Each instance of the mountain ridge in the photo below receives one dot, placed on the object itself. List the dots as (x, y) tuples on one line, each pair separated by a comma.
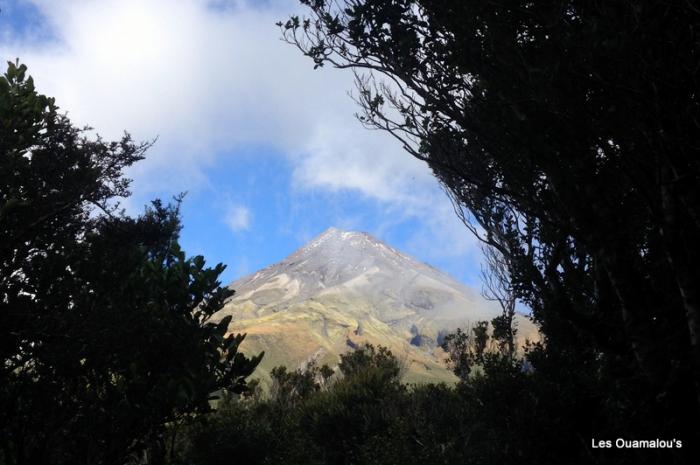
[(346, 288)]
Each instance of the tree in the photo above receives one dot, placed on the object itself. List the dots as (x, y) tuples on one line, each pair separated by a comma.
[(497, 286), (369, 359), (364, 416), (566, 135), (468, 349), (288, 387), (105, 332)]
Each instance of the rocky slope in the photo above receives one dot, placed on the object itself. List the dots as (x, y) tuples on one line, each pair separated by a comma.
[(343, 289)]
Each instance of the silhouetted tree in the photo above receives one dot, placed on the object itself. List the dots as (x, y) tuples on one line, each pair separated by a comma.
[(104, 322), (566, 135), (357, 418), (289, 387), (497, 286), (368, 358)]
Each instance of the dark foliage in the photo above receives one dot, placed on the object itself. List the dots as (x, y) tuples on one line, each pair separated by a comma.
[(566, 134), (311, 421), (369, 417), (103, 320), (289, 387)]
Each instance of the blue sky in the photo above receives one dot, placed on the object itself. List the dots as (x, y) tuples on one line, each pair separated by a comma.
[(267, 148)]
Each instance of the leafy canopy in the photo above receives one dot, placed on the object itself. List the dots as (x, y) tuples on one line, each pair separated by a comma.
[(105, 324), (566, 135)]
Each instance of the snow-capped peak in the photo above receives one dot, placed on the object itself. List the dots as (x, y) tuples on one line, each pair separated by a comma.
[(351, 261)]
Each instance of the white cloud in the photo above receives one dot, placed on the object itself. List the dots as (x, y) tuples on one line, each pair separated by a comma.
[(237, 218), (205, 81), (208, 80)]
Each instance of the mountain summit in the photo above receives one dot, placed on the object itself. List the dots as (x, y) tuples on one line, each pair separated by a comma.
[(345, 288)]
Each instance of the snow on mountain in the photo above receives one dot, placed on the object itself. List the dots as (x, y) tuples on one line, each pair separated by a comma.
[(344, 288)]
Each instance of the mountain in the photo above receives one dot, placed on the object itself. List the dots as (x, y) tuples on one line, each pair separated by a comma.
[(344, 289)]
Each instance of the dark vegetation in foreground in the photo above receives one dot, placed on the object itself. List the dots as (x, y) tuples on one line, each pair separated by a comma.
[(104, 336), (566, 132), (568, 136), (365, 415)]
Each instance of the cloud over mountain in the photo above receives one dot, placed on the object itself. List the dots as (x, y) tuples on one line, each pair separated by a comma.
[(345, 288), (211, 79)]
